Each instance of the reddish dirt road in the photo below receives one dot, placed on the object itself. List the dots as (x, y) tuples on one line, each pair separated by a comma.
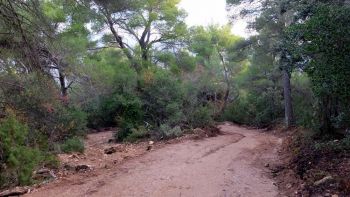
[(228, 165)]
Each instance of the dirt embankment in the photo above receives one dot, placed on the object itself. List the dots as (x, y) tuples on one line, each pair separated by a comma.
[(232, 164)]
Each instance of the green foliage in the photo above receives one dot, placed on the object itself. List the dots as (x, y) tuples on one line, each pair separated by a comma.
[(162, 98), (131, 130), (141, 20), (72, 122), (325, 46), (137, 134), (255, 109), (74, 144), (305, 104), (166, 131), (259, 84), (168, 78), (119, 108), (125, 130), (335, 145), (34, 96), (18, 160), (201, 116), (111, 89)]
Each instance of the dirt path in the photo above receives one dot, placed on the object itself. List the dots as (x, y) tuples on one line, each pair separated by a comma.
[(227, 165)]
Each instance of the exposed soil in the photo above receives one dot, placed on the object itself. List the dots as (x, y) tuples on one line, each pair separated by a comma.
[(306, 172), (231, 164)]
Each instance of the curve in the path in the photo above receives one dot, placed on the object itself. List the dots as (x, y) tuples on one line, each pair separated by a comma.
[(227, 165)]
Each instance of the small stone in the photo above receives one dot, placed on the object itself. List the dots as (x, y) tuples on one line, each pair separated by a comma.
[(74, 156), (288, 186), (69, 167), (17, 191), (83, 167), (149, 147), (110, 150), (324, 180), (44, 173), (335, 195), (267, 165), (151, 142)]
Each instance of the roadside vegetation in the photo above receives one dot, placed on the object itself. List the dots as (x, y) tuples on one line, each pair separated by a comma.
[(305, 46), (70, 66)]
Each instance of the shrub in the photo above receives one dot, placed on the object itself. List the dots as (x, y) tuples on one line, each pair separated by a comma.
[(162, 98), (130, 130), (137, 134), (237, 112), (22, 161), (304, 102), (17, 158), (71, 122), (202, 116), (117, 106), (35, 96), (165, 131), (255, 109), (73, 144), (125, 129), (334, 145), (111, 85)]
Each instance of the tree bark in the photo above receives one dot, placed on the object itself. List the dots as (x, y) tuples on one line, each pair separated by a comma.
[(144, 51), (121, 44), (63, 86), (326, 126), (227, 80), (288, 106)]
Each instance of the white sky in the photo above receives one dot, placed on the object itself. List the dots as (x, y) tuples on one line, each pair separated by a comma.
[(206, 12)]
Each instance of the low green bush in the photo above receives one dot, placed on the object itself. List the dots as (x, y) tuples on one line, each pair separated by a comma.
[(202, 116), (35, 97), (18, 160), (74, 144), (70, 122), (334, 145), (137, 134), (167, 132), (162, 98), (255, 109)]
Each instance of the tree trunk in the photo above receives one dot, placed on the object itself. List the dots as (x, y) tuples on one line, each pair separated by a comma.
[(121, 44), (144, 54), (326, 126), (288, 107), (64, 88), (228, 84)]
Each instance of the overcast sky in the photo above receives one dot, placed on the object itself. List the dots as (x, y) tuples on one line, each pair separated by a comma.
[(206, 12)]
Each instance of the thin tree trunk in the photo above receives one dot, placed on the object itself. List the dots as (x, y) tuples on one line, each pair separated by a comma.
[(121, 44), (144, 54), (64, 88), (228, 84), (288, 107), (326, 126)]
